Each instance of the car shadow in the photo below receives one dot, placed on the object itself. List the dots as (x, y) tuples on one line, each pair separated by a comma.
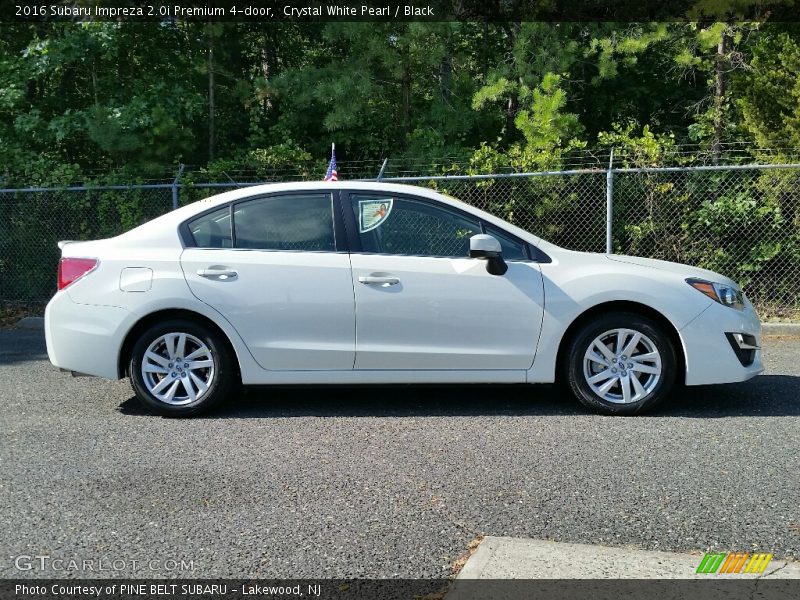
[(387, 401), (767, 395), (762, 396)]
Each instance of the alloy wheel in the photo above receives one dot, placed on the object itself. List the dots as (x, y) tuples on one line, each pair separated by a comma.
[(622, 366), (178, 368)]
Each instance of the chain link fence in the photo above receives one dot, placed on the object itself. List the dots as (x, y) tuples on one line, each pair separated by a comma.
[(744, 224), (568, 210), (742, 221), (32, 222)]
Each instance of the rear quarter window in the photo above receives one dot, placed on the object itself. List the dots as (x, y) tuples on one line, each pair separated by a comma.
[(212, 230)]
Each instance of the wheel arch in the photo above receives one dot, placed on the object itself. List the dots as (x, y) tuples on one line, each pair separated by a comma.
[(160, 315), (623, 306)]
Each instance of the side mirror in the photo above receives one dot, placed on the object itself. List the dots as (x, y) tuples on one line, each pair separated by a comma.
[(486, 247)]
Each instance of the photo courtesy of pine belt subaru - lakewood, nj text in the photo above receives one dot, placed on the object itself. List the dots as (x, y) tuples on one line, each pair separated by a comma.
[(373, 283)]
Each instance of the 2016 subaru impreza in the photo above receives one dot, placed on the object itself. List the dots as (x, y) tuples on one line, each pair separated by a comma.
[(355, 282)]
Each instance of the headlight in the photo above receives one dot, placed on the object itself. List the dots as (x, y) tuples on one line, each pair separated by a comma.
[(719, 292)]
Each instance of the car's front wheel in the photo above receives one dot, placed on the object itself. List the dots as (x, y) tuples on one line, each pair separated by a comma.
[(181, 368), (621, 363)]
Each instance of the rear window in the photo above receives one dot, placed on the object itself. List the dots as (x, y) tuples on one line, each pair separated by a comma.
[(212, 230), (290, 222)]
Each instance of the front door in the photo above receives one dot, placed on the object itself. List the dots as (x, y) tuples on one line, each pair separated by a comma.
[(423, 304)]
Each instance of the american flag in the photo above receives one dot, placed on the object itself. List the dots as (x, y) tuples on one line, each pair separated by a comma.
[(330, 174)]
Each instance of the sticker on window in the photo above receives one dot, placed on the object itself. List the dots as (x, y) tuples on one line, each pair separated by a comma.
[(371, 213)]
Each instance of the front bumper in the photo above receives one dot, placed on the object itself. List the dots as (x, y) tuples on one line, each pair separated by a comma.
[(84, 338), (710, 356)]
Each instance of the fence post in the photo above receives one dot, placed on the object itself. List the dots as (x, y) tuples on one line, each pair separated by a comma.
[(175, 186), (610, 203)]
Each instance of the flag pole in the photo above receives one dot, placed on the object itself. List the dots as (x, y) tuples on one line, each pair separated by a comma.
[(383, 167)]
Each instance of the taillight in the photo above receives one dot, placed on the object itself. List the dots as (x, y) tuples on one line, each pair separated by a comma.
[(70, 269)]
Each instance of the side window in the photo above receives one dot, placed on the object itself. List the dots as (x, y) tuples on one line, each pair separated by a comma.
[(291, 222), (390, 225), (212, 230), (512, 248)]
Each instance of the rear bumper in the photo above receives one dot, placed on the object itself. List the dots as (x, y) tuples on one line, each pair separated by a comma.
[(710, 356), (84, 338)]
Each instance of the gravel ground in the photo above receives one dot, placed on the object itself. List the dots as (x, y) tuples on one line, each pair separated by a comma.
[(383, 482)]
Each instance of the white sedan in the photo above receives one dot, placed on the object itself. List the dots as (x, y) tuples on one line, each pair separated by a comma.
[(356, 282)]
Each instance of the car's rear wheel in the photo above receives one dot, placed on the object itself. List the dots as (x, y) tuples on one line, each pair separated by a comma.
[(621, 364), (181, 368)]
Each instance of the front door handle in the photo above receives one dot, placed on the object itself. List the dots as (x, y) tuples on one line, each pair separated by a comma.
[(382, 281), (219, 274)]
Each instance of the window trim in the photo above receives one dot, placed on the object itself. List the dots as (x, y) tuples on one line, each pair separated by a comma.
[(354, 238), (345, 230), (340, 238)]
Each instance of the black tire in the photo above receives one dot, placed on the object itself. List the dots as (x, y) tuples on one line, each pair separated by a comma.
[(223, 383), (576, 378)]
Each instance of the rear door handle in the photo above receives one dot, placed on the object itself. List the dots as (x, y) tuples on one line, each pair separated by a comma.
[(384, 281), (220, 274)]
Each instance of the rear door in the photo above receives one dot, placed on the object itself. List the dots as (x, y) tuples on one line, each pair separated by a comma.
[(276, 269)]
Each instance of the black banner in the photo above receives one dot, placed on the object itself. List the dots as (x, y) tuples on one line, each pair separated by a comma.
[(713, 588), (399, 10)]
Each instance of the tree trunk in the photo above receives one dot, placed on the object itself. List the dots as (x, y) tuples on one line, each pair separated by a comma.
[(512, 105), (94, 84), (211, 103), (266, 102), (446, 74), (405, 86), (720, 82), (485, 51), (406, 102)]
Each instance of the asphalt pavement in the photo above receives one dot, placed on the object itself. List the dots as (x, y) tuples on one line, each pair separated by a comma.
[(382, 481)]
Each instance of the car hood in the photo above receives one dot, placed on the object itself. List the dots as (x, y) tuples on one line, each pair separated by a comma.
[(671, 267)]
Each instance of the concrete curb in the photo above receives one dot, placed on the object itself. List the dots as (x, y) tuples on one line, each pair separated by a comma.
[(788, 329), (31, 323), (521, 558)]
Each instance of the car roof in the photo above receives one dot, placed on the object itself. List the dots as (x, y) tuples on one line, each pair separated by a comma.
[(293, 186)]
